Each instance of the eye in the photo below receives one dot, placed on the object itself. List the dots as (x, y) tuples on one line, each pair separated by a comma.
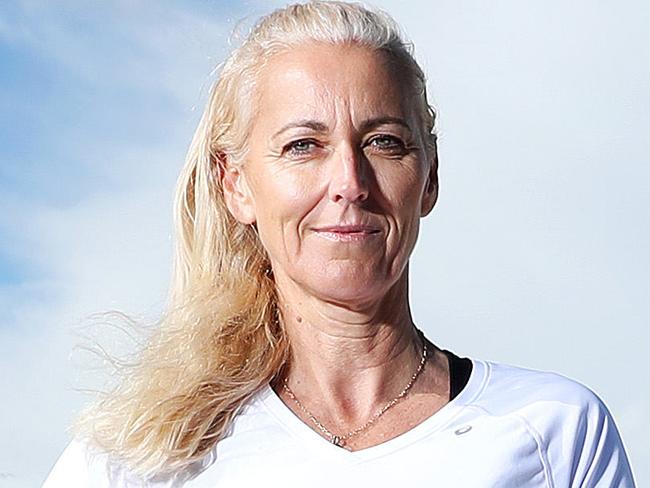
[(387, 144), (300, 147)]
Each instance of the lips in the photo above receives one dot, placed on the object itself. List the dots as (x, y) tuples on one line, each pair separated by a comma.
[(349, 229), (348, 232)]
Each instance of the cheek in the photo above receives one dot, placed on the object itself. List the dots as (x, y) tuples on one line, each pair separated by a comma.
[(401, 191), (282, 202)]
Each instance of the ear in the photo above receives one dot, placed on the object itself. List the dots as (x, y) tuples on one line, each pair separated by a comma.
[(236, 192), (430, 195)]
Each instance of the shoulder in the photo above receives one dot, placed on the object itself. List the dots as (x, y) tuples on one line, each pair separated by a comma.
[(78, 466), (83, 465), (511, 387), (551, 405), (575, 433)]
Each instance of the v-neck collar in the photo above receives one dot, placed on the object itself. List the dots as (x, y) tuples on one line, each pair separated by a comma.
[(311, 439)]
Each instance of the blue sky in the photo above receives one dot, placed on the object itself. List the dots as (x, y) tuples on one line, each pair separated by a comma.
[(535, 255)]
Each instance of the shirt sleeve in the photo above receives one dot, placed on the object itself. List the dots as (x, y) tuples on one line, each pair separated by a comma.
[(578, 442), (600, 460)]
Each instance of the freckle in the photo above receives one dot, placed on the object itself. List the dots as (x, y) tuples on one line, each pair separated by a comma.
[(299, 319)]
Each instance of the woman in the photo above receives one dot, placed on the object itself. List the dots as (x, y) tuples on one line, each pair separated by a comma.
[(288, 356)]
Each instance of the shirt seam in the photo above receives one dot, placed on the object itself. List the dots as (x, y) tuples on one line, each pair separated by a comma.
[(539, 443), (542, 449)]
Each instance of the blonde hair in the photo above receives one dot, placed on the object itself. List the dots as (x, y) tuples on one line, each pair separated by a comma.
[(221, 338)]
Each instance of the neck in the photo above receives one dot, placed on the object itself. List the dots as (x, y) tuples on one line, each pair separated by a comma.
[(362, 356)]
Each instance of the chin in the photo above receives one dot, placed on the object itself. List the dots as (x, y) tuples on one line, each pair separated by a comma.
[(350, 288), (348, 296)]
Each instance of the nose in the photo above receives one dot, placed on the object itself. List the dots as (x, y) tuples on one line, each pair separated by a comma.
[(348, 182)]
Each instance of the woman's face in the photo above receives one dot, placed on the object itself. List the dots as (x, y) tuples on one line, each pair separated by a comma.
[(337, 175)]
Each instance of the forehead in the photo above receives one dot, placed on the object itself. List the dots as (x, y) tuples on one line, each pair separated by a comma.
[(323, 81)]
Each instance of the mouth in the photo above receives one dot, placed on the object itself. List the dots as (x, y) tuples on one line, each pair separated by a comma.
[(348, 233)]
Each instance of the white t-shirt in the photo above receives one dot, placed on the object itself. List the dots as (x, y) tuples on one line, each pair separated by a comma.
[(509, 427)]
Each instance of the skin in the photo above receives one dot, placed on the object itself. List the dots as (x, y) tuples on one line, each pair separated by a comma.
[(336, 180)]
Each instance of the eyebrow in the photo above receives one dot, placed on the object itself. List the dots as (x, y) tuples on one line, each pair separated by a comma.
[(366, 125), (378, 121), (309, 124)]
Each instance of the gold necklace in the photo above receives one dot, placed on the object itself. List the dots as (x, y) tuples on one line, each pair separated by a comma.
[(340, 440)]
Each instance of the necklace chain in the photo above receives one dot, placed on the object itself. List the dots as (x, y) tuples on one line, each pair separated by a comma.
[(340, 440)]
